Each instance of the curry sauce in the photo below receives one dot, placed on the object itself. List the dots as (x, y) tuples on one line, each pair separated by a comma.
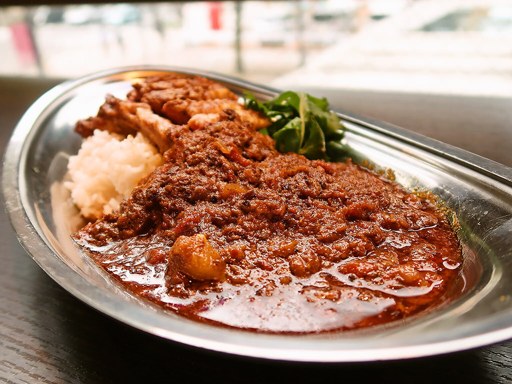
[(231, 232)]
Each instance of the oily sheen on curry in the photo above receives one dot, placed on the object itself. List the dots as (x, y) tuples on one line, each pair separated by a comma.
[(231, 232)]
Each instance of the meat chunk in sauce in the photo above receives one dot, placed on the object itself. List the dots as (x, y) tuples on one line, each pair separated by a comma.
[(195, 257), (229, 231)]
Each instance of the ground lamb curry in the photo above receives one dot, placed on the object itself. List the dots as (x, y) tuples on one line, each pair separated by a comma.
[(231, 232)]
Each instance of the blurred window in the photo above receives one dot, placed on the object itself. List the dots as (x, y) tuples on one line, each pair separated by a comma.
[(485, 19), (455, 46)]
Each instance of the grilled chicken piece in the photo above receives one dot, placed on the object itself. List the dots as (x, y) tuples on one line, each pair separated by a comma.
[(179, 97), (180, 111), (127, 118), (158, 106), (158, 90), (157, 129), (115, 116)]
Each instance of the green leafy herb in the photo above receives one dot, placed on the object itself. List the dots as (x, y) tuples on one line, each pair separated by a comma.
[(303, 124)]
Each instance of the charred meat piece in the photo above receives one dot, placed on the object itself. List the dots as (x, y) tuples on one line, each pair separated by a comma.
[(160, 104), (157, 129), (180, 97), (180, 111), (115, 116), (158, 90), (127, 118)]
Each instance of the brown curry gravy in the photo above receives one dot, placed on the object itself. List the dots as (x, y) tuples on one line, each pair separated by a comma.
[(228, 231)]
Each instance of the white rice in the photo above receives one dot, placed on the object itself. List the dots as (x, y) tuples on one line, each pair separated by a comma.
[(106, 169)]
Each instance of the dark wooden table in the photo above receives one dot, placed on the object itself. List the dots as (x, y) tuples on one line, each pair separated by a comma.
[(48, 336)]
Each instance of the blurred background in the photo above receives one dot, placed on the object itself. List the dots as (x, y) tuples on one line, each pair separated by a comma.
[(383, 58), (358, 44)]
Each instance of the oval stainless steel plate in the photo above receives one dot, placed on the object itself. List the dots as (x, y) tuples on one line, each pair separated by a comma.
[(478, 190)]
